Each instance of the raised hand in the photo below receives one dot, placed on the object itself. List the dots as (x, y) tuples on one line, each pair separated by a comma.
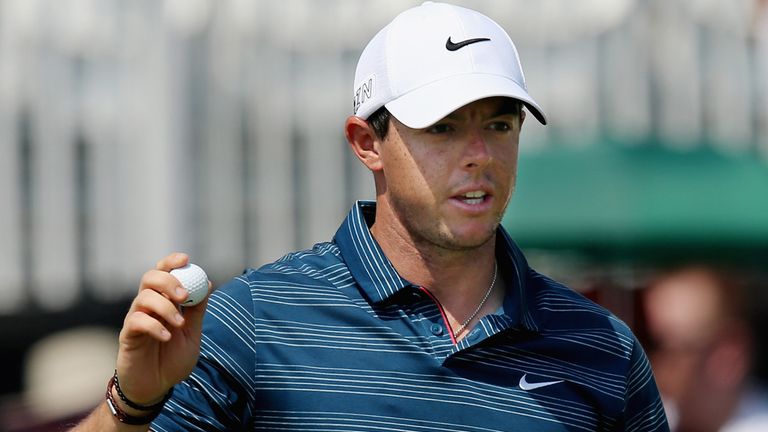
[(159, 341)]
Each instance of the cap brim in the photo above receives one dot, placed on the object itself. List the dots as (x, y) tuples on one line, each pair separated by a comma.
[(428, 104)]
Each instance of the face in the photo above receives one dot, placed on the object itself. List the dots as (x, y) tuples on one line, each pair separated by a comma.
[(681, 313), (448, 185), (698, 354), (684, 312)]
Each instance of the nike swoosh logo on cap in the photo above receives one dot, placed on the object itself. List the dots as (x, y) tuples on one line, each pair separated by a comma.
[(525, 385), (451, 46)]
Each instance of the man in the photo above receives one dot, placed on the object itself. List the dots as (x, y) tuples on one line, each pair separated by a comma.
[(702, 350), (421, 313)]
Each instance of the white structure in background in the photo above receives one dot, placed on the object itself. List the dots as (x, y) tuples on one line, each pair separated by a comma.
[(132, 129)]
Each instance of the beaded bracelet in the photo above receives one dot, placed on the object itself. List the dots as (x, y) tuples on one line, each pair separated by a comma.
[(122, 416), (134, 405)]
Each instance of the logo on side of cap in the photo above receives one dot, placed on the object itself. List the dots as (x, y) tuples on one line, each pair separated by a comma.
[(451, 46), (363, 93)]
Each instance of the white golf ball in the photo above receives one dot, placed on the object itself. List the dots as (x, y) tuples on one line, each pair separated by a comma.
[(194, 280)]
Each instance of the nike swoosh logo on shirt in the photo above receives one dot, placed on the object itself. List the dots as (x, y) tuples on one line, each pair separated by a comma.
[(451, 46), (525, 385)]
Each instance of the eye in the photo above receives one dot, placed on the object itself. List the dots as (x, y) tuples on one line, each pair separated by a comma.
[(440, 128), (500, 126)]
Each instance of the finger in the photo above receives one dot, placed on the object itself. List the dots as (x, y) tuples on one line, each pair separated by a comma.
[(172, 261), (155, 304), (164, 283), (138, 324)]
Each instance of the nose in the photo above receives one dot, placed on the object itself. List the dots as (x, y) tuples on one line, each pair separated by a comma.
[(476, 152)]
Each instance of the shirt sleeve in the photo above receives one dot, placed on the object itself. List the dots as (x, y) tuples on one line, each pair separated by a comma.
[(643, 409), (218, 394)]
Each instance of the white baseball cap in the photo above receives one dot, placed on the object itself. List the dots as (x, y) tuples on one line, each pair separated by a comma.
[(435, 58)]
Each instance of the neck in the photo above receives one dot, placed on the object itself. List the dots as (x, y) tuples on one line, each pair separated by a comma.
[(436, 268), (458, 278)]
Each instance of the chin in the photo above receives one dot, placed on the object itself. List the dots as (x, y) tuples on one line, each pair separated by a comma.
[(471, 240)]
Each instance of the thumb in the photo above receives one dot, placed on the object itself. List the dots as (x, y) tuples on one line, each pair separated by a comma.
[(193, 315)]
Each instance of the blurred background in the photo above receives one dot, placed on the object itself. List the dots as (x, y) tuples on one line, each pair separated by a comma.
[(133, 128)]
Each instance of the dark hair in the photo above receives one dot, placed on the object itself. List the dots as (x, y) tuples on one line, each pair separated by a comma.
[(515, 107), (379, 122)]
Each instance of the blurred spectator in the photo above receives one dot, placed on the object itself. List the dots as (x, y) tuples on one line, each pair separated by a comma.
[(701, 349), (63, 380)]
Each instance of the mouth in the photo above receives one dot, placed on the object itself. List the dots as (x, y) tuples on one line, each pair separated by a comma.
[(473, 198)]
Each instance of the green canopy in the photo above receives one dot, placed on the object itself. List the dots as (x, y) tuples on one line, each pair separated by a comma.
[(609, 197)]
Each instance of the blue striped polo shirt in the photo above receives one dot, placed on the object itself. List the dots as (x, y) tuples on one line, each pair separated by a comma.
[(333, 339)]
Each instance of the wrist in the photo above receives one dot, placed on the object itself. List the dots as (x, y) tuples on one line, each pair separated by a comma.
[(137, 404), (129, 412)]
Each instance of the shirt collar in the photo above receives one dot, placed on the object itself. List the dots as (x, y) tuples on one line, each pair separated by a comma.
[(379, 280), (520, 294), (369, 266)]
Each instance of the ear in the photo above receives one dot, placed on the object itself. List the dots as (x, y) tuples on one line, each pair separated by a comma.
[(363, 141)]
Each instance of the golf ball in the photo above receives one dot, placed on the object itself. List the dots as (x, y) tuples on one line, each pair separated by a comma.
[(194, 280)]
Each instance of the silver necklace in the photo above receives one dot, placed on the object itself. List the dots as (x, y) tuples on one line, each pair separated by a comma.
[(480, 306)]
